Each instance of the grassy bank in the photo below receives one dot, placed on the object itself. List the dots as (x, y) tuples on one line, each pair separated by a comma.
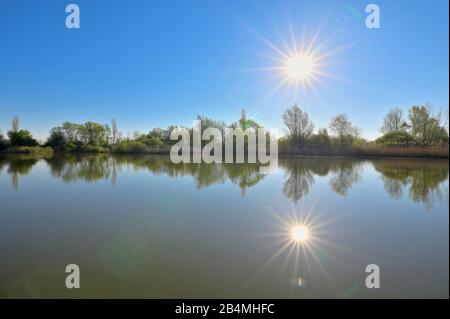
[(284, 150), (32, 150), (85, 149), (367, 151), (134, 147)]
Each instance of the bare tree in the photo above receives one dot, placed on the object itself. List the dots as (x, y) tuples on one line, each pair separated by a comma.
[(114, 131), (393, 121), (342, 127), (298, 123), (15, 124)]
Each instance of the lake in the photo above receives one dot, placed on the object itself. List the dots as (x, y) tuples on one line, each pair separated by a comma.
[(143, 227)]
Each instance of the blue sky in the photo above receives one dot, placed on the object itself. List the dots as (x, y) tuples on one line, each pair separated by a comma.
[(155, 63)]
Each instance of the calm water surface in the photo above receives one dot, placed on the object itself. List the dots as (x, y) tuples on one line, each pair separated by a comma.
[(140, 226)]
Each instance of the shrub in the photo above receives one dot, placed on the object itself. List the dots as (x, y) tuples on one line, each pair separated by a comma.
[(81, 148), (32, 150), (21, 138), (56, 139), (3, 143), (130, 147), (396, 138)]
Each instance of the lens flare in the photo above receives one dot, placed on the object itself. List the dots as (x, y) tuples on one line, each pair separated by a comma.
[(299, 67), (299, 233), (300, 64)]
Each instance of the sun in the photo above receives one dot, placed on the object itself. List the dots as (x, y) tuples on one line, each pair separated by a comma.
[(299, 233), (301, 63), (299, 67)]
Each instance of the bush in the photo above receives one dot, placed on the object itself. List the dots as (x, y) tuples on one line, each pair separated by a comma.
[(321, 139), (32, 150), (3, 143), (130, 147), (56, 139), (396, 138), (81, 148), (21, 138)]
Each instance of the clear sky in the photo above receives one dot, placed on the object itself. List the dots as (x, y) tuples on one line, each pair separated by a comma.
[(155, 63)]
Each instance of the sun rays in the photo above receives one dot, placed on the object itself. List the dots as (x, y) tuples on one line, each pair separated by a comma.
[(301, 241), (301, 64)]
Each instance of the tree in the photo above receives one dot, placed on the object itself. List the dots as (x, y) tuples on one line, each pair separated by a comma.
[(243, 120), (396, 138), (426, 127), (393, 121), (210, 123), (321, 138), (3, 142), (94, 133), (21, 138), (15, 124), (298, 123), (343, 128), (56, 138), (114, 131), (71, 132)]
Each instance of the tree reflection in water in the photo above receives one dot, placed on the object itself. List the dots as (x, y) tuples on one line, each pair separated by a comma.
[(16, 165), (425, 180), (344, 173), (94, 167)]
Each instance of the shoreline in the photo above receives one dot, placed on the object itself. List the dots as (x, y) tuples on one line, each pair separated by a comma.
[(166, 151)]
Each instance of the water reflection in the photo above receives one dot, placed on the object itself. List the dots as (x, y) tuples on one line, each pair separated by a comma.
[(17, 165), (306, 231), (424, 180), (300, 179), (92, 168), (343, 174)]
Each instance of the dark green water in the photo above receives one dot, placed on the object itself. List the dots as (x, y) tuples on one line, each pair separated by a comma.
[(140, 226)]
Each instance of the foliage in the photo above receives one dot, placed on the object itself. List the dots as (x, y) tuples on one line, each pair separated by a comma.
[(15, 124), (207, 122), (89, 133), (426, 127), (83, 148), (396, 138), (21, 138), (56, 139), (32, 150), (298, 123), (343, 129), (321, 139), (130, 147), (245, 123), (393, 121), (3, 142)]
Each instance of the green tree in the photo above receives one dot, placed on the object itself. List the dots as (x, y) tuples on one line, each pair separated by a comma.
[(396, 138), (56, 138), (71, 132), (22, 138), (3, 142), (94, 133), (298, 123), (321, 138), (426, 127)]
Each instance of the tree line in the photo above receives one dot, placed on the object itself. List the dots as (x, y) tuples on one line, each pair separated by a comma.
[(420, 127)]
